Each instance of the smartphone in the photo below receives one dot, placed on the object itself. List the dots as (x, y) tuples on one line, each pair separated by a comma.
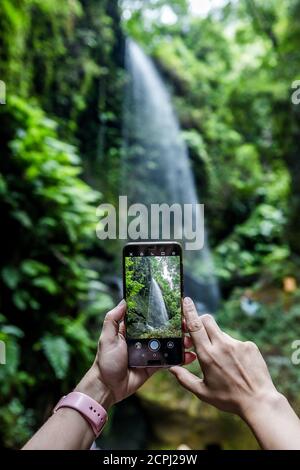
[(153, 290)]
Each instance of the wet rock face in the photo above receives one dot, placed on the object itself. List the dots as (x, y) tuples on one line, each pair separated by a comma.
[(177, 418)]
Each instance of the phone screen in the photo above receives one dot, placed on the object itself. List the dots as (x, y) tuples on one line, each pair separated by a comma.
[(153, 292)]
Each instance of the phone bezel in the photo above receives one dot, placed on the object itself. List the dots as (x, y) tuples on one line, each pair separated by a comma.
[(155, 248)]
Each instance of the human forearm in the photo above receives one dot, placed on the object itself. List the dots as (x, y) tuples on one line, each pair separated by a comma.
[(274, 423), (67, 429)]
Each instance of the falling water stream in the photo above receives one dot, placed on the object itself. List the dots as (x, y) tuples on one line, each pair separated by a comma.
[(157, 313), (156, 167)]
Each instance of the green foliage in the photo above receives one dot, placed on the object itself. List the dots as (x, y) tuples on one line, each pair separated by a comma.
[(16, 423), (58, 69), (16, 420), (256, 246), (49, 217), (134, 273), (273, 328), (231, 87), (57, 351)]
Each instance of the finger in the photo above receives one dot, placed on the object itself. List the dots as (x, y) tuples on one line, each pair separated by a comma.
[(110, 327), (122, 328), (184, 327), (189, 357), (227, 336), (188, 342), (190, 381), (212, 329), (196, 328)]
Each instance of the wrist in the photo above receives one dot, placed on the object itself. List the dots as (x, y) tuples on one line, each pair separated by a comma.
[(262, 405), (92, 386)]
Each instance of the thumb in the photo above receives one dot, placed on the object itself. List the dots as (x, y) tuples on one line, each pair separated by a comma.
[(190, 381), (110, 328)]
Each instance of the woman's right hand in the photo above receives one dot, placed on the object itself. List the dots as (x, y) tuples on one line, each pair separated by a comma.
[(236, 379), (235, 375)]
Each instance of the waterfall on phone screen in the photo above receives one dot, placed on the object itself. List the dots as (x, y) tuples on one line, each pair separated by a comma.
[(157, 313)]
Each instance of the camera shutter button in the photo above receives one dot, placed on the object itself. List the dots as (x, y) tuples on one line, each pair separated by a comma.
[(154, 345)]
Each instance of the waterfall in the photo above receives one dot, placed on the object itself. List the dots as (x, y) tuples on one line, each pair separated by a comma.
[(155, 163), (157, 313)]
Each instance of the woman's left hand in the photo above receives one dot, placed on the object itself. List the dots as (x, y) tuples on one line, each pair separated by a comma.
[(110, 380)]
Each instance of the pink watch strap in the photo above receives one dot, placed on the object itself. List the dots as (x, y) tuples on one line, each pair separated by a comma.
[(94, 413)]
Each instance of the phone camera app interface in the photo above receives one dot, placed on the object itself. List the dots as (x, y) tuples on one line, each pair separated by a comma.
[(153, 294)]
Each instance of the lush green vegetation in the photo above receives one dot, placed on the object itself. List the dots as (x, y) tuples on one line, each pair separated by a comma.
[(144, 306), (50, 217), (231, 75), (52, 300)]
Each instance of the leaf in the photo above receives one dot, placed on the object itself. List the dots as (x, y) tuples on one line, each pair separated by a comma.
[(32, 267), (12, 356), (57, 351), (34, 304), (23, 218), (12, 330), (10, 276), (20, 299), (46, 283), (48, 222), (3, 185)]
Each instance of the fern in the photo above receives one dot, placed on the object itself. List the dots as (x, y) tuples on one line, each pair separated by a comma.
[(57, 351)]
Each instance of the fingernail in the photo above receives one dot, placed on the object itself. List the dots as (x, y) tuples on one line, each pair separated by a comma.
[(187, 301), (120, 304), (207, 315)]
